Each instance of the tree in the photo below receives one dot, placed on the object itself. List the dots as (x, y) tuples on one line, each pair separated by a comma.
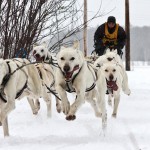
[(25, 22), (127, 28)]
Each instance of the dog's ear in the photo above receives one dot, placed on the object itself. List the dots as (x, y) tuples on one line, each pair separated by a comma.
[(35, 44), (76, 44), (107, 50), (115, 51), (62, 48), (44, 44)]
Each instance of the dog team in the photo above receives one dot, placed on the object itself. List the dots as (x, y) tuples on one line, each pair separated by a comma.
[(89, 80)]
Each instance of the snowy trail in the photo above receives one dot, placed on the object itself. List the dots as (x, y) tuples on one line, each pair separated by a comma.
[(129, 131), (132, 137)]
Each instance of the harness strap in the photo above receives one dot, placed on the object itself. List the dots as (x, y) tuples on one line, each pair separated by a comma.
[(39, 72), (4, 100), (7, 76), (76, 75), (17, 95), (21, 91), (70, 89), (53, 92), (90, 88), (6, 79)]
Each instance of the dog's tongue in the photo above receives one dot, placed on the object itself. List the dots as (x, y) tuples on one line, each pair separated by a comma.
[(39, 59), (68, 75), (113, 85)]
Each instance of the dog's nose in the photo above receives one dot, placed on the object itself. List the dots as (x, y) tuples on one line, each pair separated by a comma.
[(111, 77), (109, 59), (37, 55), (66, 68)]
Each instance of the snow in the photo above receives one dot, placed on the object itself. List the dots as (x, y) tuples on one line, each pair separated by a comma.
[(129, 131)]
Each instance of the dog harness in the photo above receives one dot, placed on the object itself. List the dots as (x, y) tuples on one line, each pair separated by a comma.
[(44, 84), (70, 81), (5, 81)]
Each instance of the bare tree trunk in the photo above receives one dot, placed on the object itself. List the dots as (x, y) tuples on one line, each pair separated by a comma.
[(127, 28), (85, 28), (26, 22)]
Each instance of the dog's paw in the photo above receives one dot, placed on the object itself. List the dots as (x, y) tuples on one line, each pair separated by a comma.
[(114, 115), (70, 117), (98, 114), (127, 92), (35, 112)]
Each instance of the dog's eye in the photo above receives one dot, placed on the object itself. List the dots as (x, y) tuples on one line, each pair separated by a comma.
[(114, 70), (106, 70), (72, 58), (42, 50), (62, 58)]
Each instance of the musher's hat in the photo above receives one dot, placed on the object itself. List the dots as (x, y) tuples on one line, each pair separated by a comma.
[(111, 19)]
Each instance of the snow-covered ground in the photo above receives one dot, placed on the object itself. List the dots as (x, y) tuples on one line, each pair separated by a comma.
[(129, 131)]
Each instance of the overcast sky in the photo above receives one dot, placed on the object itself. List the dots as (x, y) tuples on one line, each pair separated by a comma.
[(139, 11)]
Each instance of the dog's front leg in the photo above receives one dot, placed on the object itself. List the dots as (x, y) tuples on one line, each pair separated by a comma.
[(10, 105), (116, 103), (74, 107), (5, 127), (102, 87), (7, 108), (64, 100)]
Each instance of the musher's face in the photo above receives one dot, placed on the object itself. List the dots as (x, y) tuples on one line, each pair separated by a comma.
[(111, 24)]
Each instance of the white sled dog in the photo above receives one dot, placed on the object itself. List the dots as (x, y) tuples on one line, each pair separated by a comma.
[(41, 54), (75, 75), (110, 78), (13, 84), (112, 56), (47, 78)]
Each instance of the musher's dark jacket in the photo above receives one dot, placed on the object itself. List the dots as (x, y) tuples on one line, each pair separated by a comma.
[(99, 37)]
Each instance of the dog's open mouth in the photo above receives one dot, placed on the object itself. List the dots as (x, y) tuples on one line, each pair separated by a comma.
[(112, 85), (38, 58), (68, 75)]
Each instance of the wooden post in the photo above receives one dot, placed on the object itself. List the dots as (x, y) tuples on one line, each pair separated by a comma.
[(127, 29), (85, 28)]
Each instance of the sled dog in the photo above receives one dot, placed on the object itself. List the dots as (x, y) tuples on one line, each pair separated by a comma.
[(47, 78), (41, 54), (13, 84), (110, 78), (75, 75), (112, 56)]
